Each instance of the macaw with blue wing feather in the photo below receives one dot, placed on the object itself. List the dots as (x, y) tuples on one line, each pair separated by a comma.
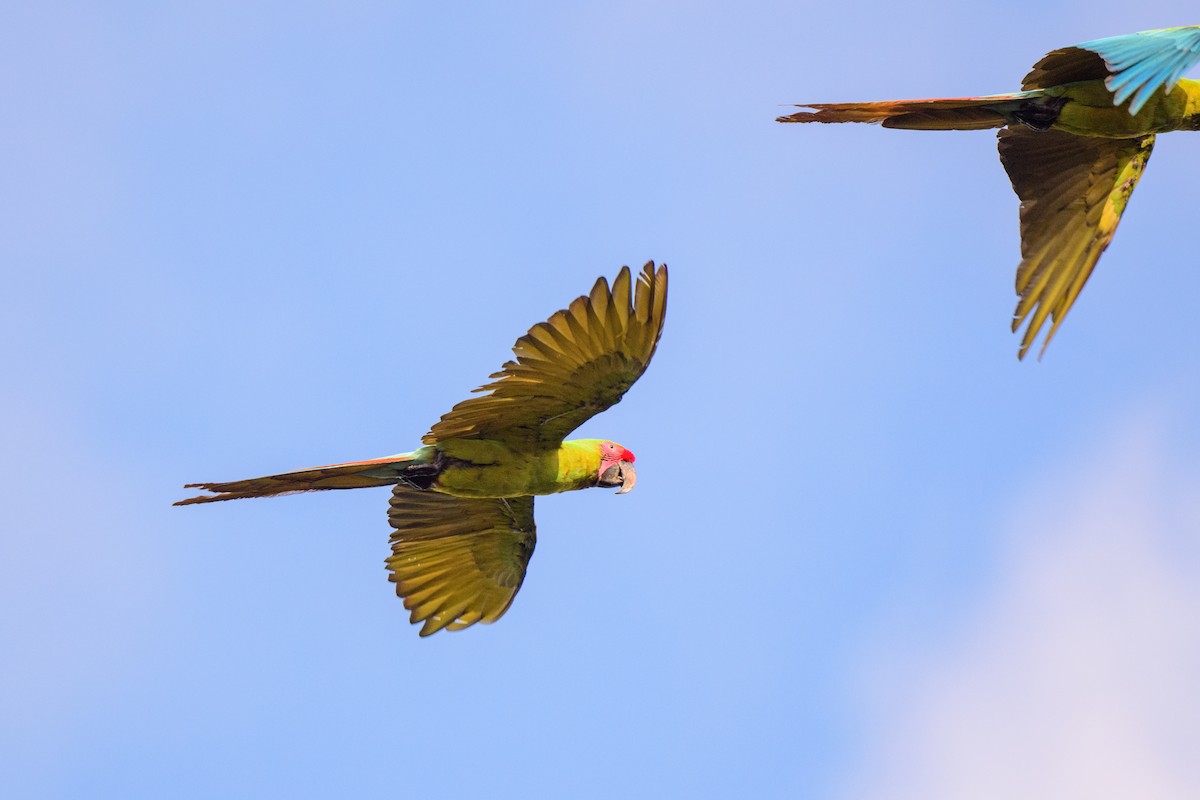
[(1074, 142), (462, 505)]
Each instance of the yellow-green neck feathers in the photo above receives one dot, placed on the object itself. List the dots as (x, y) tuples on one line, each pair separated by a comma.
[(578, 463), (1191, 90)]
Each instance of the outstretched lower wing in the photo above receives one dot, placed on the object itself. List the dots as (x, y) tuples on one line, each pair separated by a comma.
[(457, 561), (569, 368), (1135, 65), (1073, 190)]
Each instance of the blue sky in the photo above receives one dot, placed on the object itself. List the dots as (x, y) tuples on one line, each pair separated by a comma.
[(869, 555)]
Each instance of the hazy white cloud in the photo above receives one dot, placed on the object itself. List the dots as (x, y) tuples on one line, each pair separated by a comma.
[(1080, 675)]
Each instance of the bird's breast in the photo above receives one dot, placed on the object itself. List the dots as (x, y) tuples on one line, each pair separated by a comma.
[(1089, 111)]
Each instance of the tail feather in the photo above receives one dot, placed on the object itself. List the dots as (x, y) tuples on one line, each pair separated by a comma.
[(352, 475), (947, 113)]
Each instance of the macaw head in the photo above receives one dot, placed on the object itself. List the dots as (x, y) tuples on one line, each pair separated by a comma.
[(616, 467)]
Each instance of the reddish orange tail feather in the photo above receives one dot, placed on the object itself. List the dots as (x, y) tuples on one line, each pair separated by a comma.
[(946, 113), (352, 475)]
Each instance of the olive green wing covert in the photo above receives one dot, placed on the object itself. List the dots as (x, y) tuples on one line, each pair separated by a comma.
[(457, 561), (569, 368), (1073, 190)]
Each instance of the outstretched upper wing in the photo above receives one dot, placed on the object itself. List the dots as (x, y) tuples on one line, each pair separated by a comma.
[(1135, 65), (569, 368), (457, 561), (1073, 190)]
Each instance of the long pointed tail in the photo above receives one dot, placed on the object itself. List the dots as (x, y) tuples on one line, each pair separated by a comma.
[(352, 475), (940, 114)]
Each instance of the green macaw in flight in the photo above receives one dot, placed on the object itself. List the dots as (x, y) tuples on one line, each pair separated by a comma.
[(1074, 142), (462, 506)]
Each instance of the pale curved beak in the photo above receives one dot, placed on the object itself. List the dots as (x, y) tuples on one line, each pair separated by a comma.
[(628, 477)]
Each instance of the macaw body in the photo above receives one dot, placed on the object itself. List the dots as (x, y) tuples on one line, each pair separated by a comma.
[(458, 467), (471, 468), (1074, 143), (462, 504)]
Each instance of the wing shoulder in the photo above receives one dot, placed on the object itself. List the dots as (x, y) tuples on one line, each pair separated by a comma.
[(1133, 66), (1065, 65)]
